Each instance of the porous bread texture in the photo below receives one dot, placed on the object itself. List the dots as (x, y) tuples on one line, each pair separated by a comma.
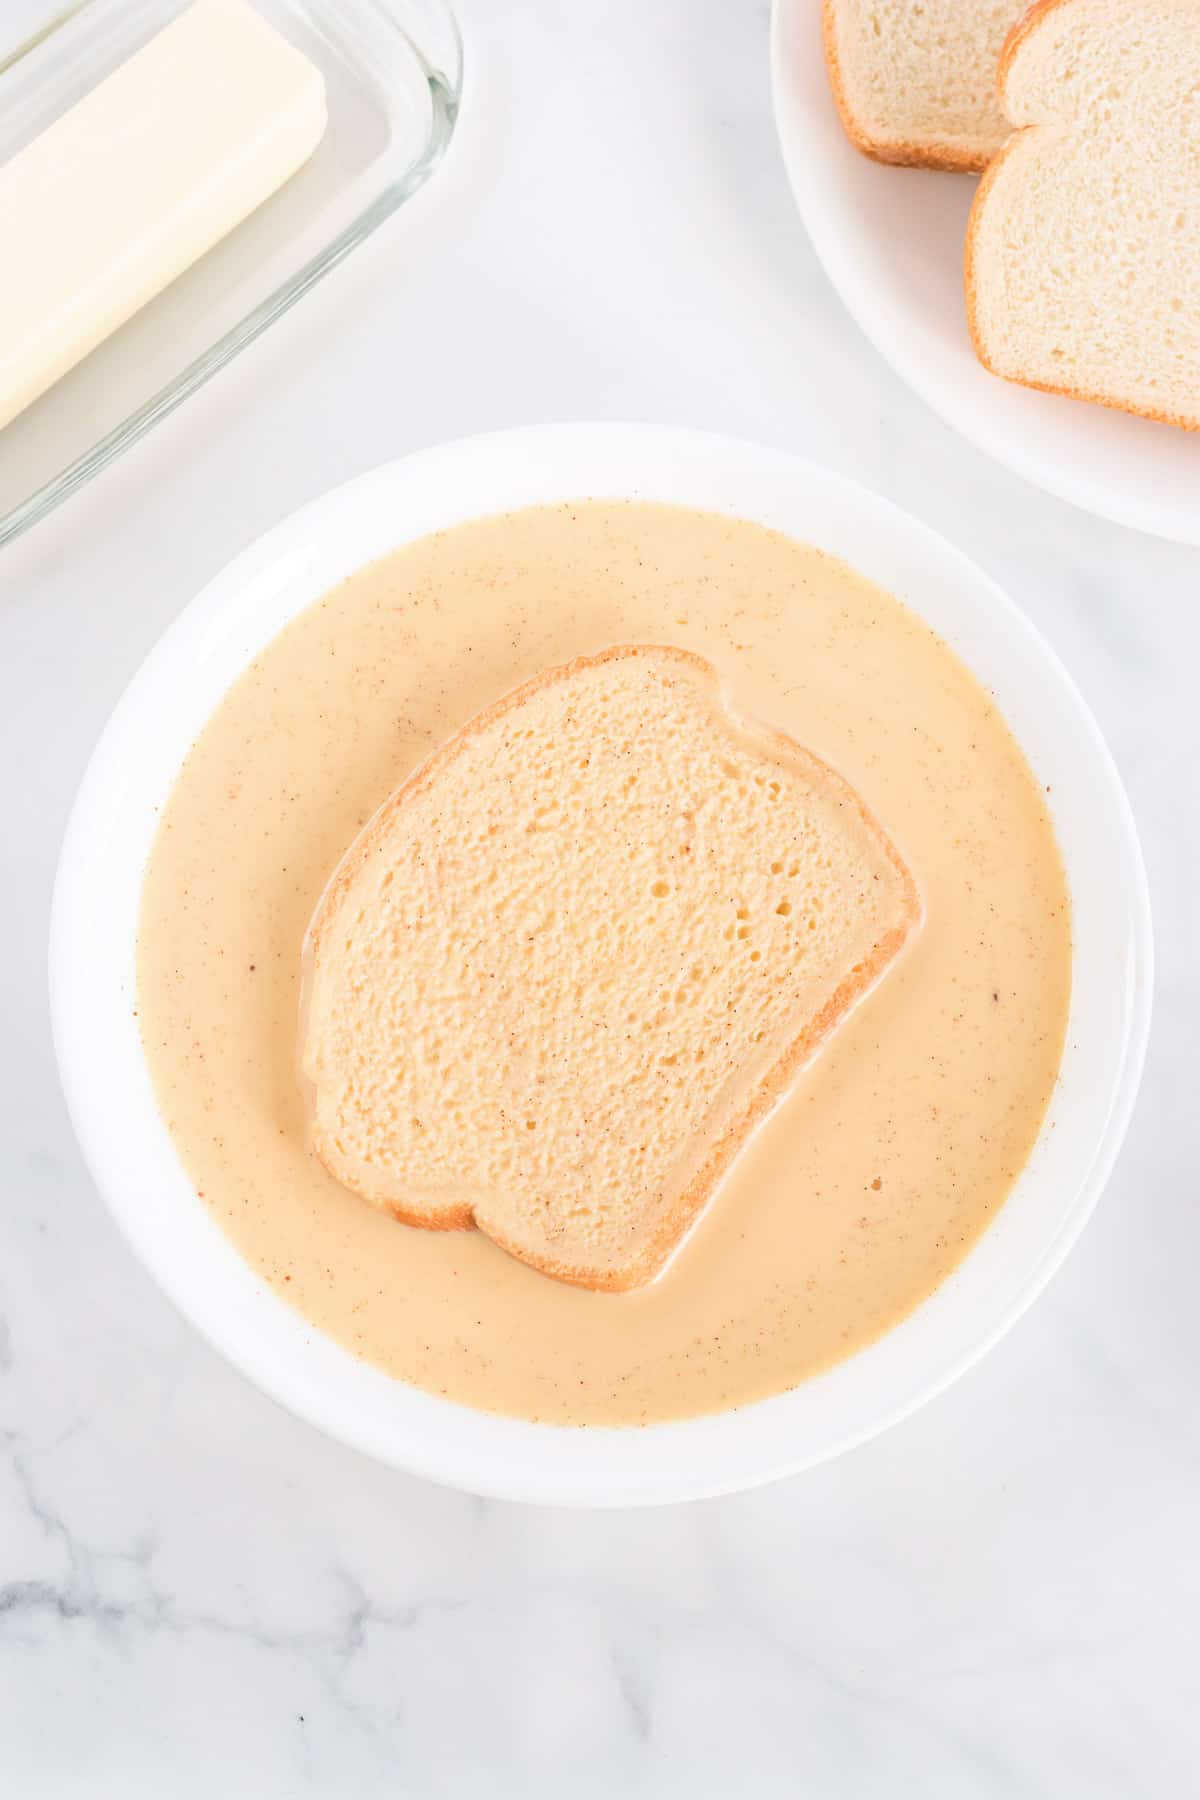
[(1082, 265), (578, 954), (915, 80)]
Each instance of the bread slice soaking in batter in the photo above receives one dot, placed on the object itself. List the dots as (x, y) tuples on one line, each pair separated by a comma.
[(579, 953)]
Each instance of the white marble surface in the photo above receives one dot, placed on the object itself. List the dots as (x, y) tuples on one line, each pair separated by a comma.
[(199, 1595)]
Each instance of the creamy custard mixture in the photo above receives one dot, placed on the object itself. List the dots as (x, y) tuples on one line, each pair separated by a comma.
[(879, 1170)]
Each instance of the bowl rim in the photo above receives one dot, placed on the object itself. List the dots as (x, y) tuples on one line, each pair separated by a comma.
[(124, 1140)]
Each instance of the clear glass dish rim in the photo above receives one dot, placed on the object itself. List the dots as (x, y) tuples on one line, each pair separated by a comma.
[(445, 93)]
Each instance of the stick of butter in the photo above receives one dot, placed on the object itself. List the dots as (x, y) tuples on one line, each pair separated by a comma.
[(139, 179)]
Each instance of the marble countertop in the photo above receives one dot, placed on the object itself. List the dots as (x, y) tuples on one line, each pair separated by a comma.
[(200, 1595)]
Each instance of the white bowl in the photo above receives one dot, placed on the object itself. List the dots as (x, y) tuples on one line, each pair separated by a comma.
[(891, 241), (130, 1153)]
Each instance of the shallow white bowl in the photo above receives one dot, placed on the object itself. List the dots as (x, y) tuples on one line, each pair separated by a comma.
[(891, 241), (131, 1156)]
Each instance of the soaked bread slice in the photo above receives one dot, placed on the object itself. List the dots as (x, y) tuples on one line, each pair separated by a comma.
[(1083, 248), (916, 84), (579, 953)]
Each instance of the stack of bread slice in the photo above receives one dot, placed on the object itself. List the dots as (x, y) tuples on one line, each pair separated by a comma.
[(1082, 259)]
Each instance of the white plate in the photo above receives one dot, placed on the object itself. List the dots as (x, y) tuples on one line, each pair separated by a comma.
[(132, 1158), (891, 241)]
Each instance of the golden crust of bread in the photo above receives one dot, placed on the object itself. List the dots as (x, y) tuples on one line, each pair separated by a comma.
[(674, 1227), (1026, 28), (1029, 22), (931, 153)]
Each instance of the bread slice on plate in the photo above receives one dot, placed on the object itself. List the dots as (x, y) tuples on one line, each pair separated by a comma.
[(916, 83), (579, 953), (1083, 249)]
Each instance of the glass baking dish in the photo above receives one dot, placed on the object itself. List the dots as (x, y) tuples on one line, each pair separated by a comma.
[(393, 74)]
